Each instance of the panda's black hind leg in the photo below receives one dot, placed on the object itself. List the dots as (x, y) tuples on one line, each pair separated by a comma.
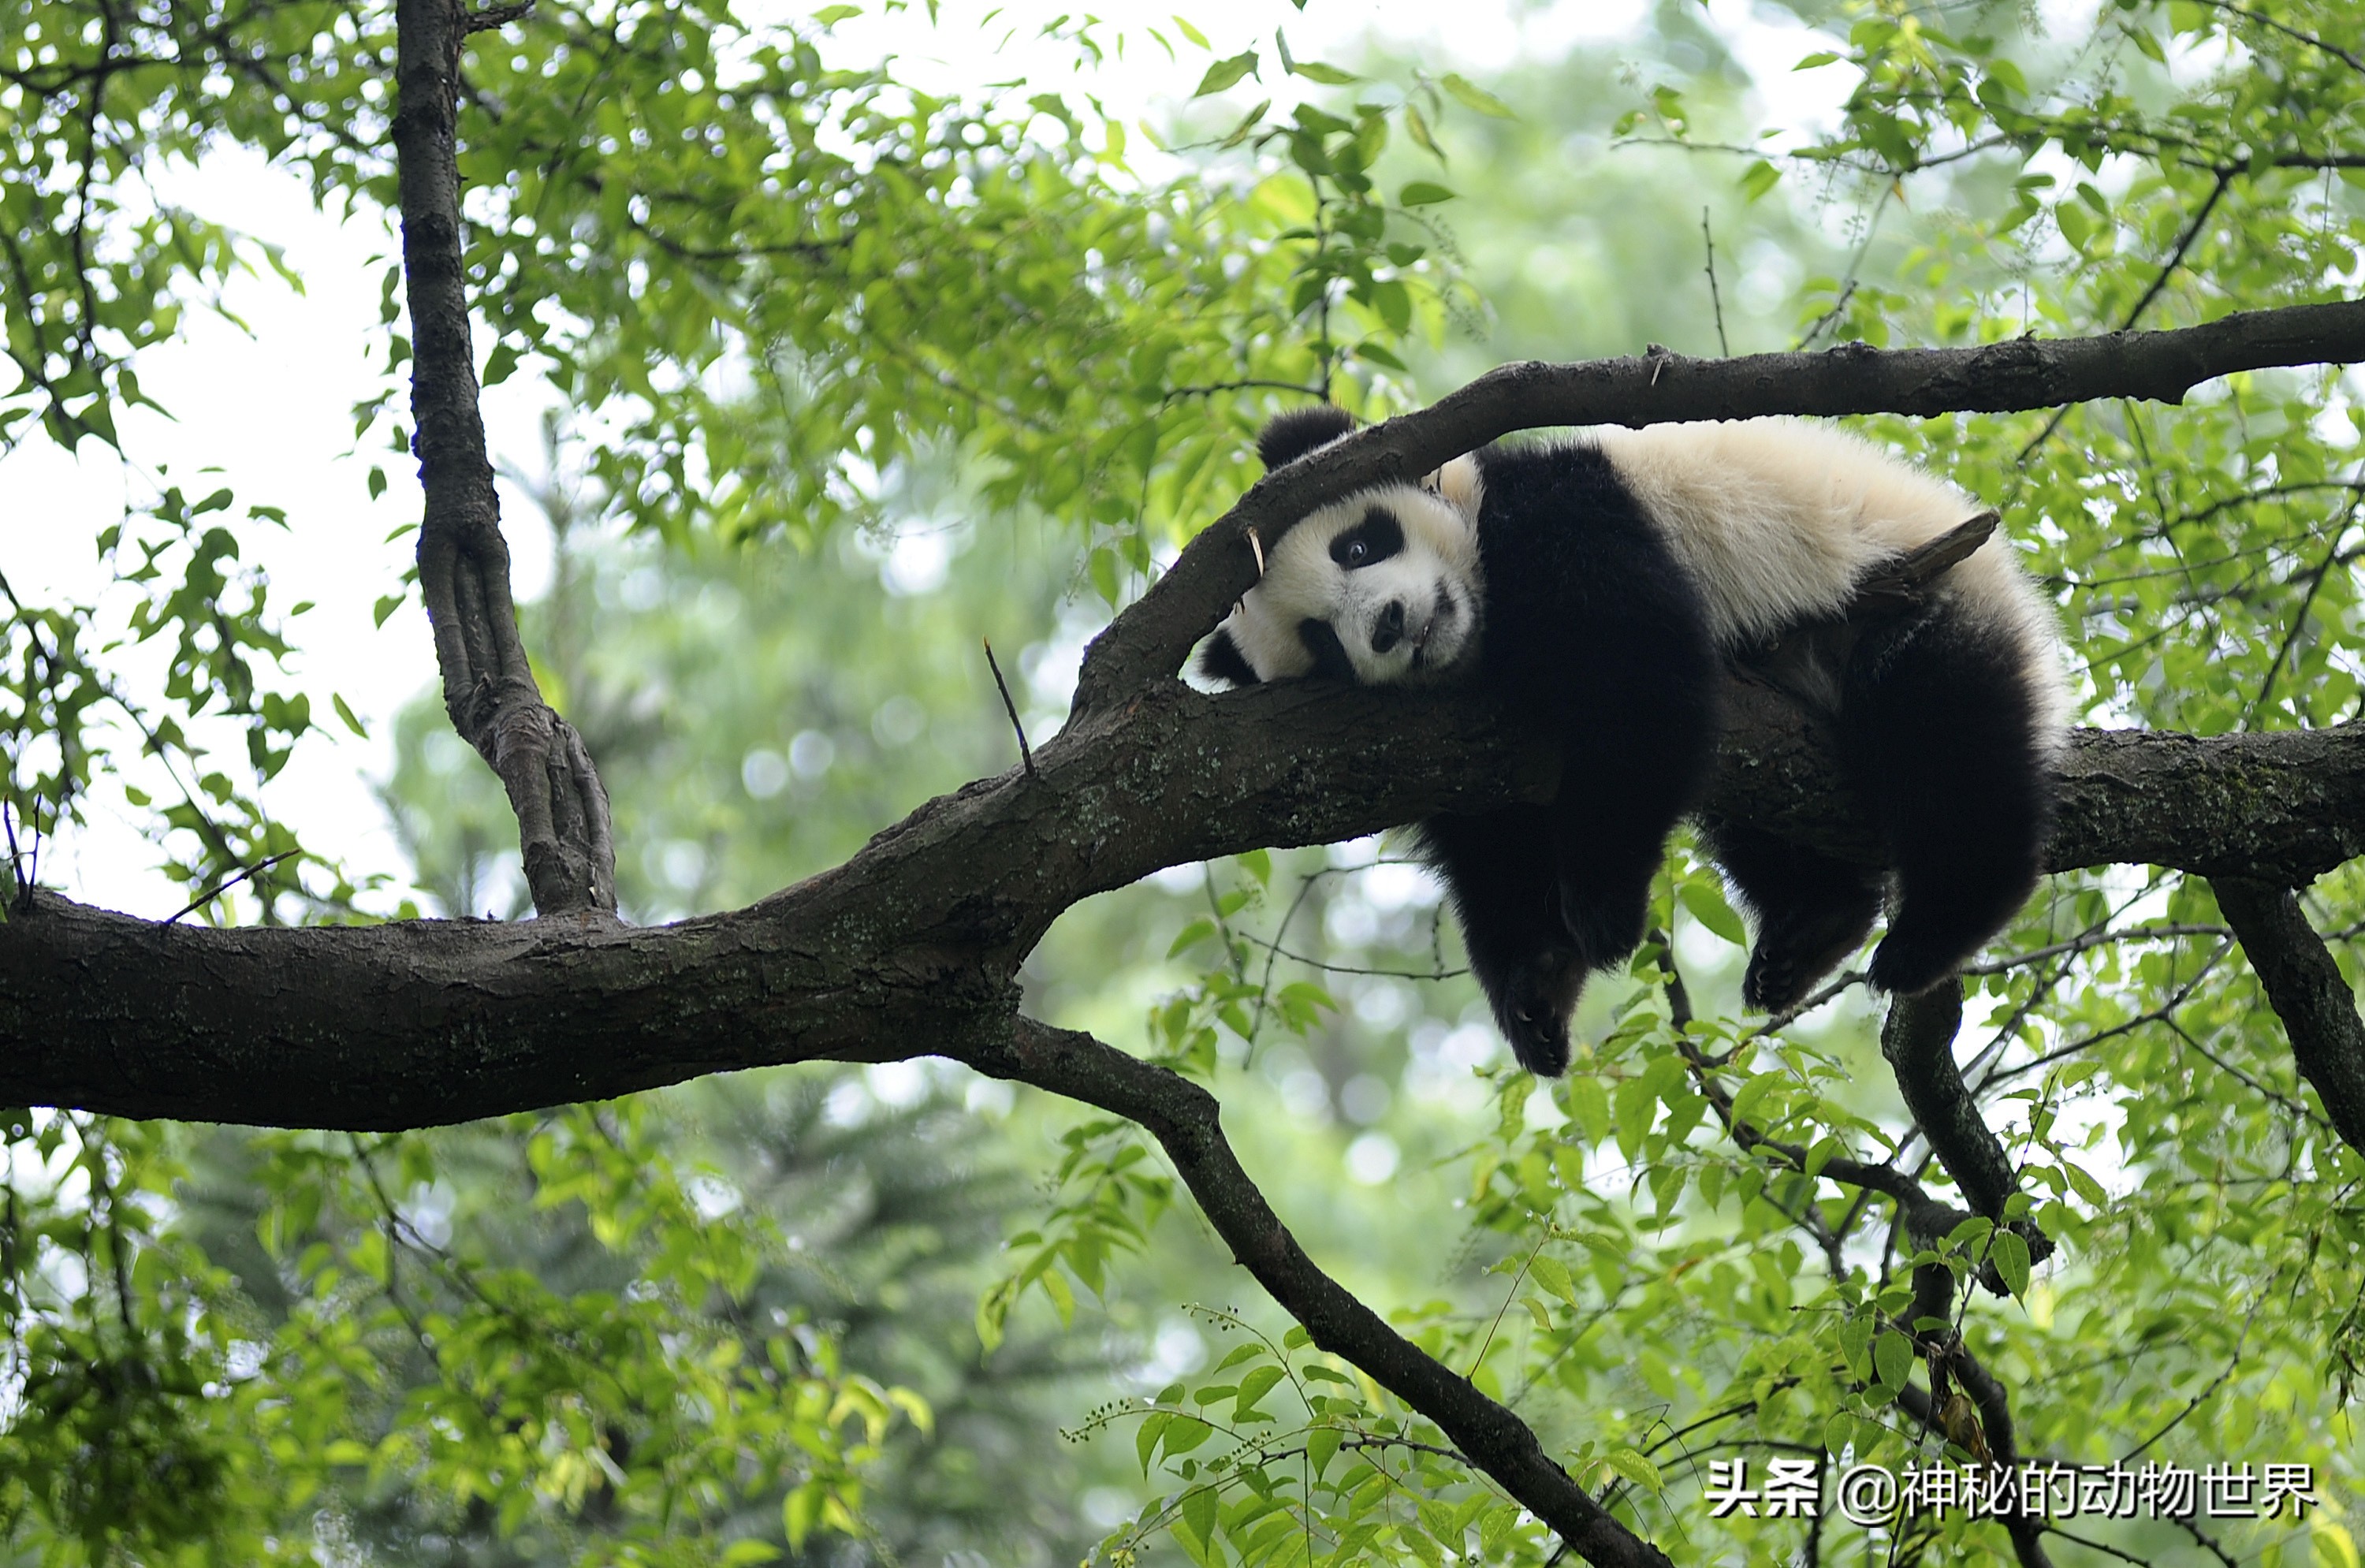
[(1939, 732), (1809, 911), (1499, 869)]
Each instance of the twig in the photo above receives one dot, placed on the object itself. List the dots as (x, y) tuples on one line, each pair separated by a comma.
[(219, 888), (2183, 243), (1714, 298), (1511, 1295), (2168, 269), (24, 862), (1026, 752), (2351, 61)]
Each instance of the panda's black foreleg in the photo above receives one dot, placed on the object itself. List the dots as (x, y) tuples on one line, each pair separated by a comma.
[(1809, 911), (1638, 753), (1609, 844), (1938, 731), (1498, 869)]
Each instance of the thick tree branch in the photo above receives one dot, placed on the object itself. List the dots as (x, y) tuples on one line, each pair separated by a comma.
[(463, 564), (1183, 1118), (2284, 806), (901, 951), (2318, 1010), (1153, 637)]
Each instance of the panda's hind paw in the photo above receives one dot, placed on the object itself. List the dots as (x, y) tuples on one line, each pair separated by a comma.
[(1773, 985), (1908, 969)]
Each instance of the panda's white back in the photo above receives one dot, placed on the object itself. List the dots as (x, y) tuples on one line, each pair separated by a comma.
[(1778, 520)]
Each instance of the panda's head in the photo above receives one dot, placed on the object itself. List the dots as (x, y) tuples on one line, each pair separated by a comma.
[(1380, 588)]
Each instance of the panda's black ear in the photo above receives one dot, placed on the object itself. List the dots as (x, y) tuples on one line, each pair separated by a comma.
[(1293, 434), (1222, 660)]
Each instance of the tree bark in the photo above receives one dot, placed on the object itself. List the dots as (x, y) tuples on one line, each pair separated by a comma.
[(489, 691), (911, 947), (2307, 991)]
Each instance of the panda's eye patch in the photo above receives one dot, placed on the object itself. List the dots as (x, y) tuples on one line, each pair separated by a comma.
[(1374, 540)]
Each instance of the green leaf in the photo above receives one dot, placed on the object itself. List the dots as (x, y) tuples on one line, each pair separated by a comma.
[(2009, 1252), (1185, 1433), (2078, 225), (1892, 1358), (1198, 1510), (1636, 1108), (1553, 1274), (346, 714), (1476, 98), (1145, 1440), (2084, 1184), (1704, 902), (800, 1511), (1588, 1106), (1259, 1383), (1226, 73), (1634, 1466), (1416, 127), (1855, 1345), (1322, 1447), (1423, 193)]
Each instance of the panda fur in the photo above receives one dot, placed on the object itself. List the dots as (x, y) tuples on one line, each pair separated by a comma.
[(1600, 586)]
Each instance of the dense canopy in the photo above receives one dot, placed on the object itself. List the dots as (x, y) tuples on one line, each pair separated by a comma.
[(329, 1232)]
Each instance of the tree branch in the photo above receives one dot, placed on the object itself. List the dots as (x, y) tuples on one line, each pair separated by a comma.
[(1917, 1038), (904, 949), (463, 564), (2305, 987), (1152, 638), (1183, 1118)]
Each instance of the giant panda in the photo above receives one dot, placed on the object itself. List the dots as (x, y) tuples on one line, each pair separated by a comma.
[(1601, 587)]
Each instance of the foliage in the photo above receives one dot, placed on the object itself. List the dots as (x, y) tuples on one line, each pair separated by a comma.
[(788, 301)]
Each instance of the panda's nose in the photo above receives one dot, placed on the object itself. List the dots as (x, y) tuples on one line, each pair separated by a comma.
[(1389, 630)]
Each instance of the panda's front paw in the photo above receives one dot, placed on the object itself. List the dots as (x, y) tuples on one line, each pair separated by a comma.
[(1533, 1007)]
